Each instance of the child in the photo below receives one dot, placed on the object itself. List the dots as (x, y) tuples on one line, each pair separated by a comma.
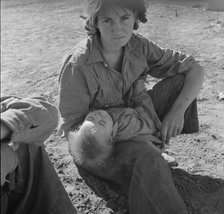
[(93, 142)]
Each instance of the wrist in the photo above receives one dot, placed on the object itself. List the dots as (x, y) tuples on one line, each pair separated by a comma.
[(178, 108)]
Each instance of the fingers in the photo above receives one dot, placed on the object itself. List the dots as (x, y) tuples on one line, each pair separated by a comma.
[(155, 140), (171, 126), (167, 132), (163, 132), (179, 130), (157, 123)]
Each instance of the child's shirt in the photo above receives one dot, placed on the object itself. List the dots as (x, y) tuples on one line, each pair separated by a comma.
[(137, 118), (128, 123)]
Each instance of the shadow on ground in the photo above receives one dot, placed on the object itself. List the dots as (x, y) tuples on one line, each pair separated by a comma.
[(202, 194)]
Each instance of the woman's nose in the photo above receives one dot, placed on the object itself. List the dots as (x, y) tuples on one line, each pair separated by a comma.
[(116, 26)]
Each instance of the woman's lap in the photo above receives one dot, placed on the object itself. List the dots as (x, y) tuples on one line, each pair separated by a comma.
[(137, 165)]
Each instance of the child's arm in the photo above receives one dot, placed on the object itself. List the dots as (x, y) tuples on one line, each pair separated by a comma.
[(128, 124)]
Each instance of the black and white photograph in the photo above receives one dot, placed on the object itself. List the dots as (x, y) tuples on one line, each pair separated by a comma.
[(112, 106)]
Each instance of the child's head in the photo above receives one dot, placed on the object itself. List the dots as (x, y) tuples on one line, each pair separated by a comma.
[(97, 7), (92, 143)]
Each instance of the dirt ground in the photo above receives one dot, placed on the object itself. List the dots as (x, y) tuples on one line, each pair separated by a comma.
[(36, 34)]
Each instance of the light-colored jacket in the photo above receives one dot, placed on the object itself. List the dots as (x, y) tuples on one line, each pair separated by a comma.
[(31, 120)]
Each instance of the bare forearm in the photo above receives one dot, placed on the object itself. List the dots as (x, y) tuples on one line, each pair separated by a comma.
[(192, 85)]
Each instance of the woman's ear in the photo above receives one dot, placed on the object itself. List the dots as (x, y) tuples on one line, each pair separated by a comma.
[(135, 15), (135, 27)]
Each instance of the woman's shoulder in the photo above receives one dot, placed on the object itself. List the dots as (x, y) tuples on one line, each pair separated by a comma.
[(138, 39), (141, 44), (138, 43), (79, 53)]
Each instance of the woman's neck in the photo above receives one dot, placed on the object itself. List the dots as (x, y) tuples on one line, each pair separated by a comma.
[(114, 58), (111, 50)]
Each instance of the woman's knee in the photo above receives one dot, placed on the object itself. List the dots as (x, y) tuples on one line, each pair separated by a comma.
[(171, 83), (148, 157)]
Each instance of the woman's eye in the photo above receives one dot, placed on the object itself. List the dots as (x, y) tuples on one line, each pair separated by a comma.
[(124, 18)]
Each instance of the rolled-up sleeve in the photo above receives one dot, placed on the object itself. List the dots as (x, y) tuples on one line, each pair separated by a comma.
[(29, 119), (165, 62), (74, 98)]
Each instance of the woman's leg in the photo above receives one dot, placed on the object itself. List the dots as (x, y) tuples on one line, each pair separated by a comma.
[(145, 176), (35, 187), (164, 94)]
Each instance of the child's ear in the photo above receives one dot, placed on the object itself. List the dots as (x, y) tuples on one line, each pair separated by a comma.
[(70, 136)]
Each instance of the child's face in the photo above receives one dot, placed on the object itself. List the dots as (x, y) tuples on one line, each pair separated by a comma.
[(116, 27), (101, 125)]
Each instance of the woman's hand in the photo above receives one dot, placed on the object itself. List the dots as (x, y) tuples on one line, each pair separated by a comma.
[(171, 125), (173, 122)]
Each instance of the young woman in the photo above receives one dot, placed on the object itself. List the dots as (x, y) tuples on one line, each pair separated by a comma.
[(99, 72)]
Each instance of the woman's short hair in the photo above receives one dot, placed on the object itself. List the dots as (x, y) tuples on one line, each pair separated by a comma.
[(94, 7)]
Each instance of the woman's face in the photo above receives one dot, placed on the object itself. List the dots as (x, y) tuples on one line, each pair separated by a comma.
[(115, 25)]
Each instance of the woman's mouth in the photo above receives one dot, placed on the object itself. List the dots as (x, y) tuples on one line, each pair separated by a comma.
[(118, 37)]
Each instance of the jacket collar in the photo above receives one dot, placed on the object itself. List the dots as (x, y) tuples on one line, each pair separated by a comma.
[(95, 54)]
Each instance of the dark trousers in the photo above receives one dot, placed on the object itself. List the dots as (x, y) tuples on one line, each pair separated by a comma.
[(34, 188), (164, 94), (138, 166)]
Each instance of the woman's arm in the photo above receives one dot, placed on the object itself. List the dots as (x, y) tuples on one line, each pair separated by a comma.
[(165, 63), (74, 98), (172, 124), (140, 100)]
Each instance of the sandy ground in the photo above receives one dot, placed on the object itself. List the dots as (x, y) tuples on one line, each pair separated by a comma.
[(36, 34)]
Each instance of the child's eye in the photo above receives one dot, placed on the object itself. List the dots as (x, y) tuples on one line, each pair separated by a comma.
[(101, 122), (106, 20)]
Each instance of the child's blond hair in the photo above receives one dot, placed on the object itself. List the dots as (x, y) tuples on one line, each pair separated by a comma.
[(86, 150)]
